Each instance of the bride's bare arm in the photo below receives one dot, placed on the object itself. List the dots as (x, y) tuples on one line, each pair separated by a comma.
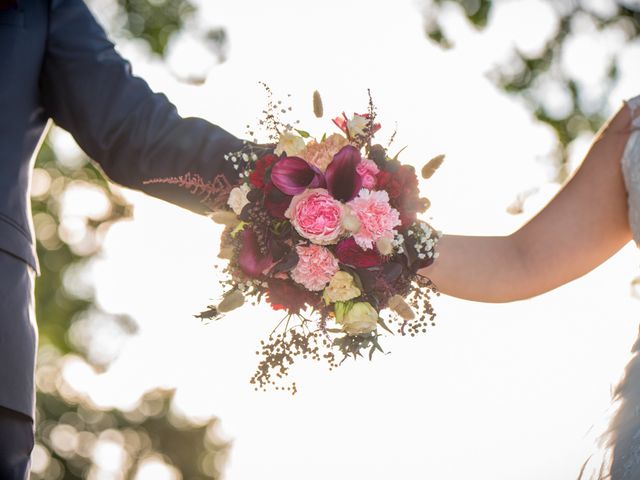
[(582, 226)]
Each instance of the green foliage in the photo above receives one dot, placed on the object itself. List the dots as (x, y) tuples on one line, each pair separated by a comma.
[(55, 303), (354, 345), (303, 133), (147, 432), (68, 425), (525, 73), (155, 21), (476, 11), (62, 304)]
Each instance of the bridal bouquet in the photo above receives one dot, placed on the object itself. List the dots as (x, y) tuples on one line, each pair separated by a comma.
[(325, 230)]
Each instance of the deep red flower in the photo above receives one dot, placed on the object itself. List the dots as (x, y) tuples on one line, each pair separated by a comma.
[(385, 181), (287, 295), (350, 253), (403, 181), (258, 177), (404, 195)]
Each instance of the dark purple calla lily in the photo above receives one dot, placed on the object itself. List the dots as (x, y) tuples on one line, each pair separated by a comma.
[(343, 182), (293, 175), (250, 260)]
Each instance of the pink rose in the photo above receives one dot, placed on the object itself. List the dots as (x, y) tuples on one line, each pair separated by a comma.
[(321, 154), (367, 169), (377, 218), (316, 266), (316, 215)]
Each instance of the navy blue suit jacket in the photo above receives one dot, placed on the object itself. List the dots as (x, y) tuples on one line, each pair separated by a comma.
[(57, 63)]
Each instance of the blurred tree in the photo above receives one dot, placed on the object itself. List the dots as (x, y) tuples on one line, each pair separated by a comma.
[(531, 76), (155, 22), (73, 207), (160, 22)]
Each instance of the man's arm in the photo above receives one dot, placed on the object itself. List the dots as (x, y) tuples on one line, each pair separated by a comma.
[(133, 133)]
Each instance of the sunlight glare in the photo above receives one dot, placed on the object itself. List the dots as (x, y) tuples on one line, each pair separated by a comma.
[(500, 386)]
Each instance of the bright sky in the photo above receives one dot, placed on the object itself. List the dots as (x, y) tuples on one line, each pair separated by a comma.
[(494, 391)]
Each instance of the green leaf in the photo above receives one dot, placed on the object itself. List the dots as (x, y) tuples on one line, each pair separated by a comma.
[(324, 137), (302, 133), (238, 229), (340, 341), (375, 346), (398, 154), (335, 330), (384, 325), (357, 281)]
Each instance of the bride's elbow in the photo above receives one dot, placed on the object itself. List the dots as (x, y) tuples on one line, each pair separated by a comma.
[(534, 272)]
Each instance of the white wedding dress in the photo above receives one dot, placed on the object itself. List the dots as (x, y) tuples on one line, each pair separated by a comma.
[(619, 458)]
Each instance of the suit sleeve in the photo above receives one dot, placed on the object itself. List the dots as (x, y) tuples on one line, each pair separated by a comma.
[(133, 133)]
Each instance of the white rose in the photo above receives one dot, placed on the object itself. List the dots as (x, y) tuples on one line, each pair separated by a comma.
[(356, 319), (238, 198), (340, 288), (290, 143), (357, 125)]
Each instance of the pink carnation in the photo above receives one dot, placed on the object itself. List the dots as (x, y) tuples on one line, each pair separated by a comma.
[(316, 266), (367, 169), (316, 215), (377, 217), (321, 154)]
